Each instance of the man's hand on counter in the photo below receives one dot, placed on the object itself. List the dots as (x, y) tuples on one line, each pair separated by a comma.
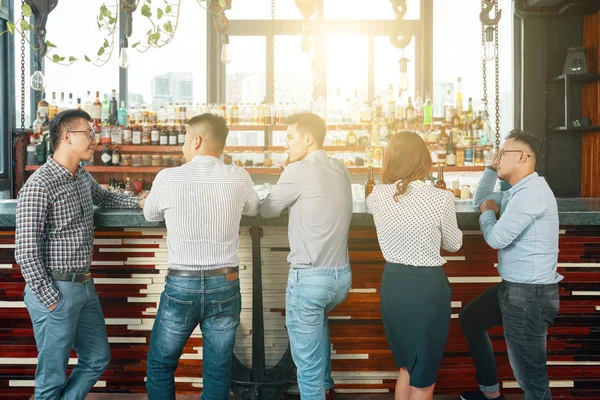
[(142, 202), (489, 205)]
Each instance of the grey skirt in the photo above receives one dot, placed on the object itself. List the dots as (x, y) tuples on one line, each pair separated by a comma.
[(415, 307)]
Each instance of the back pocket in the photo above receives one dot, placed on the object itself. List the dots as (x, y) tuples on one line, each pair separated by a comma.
[(174, 313), (227, 312)]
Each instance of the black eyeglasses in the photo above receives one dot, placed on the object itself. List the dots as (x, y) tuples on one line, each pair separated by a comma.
[(90, 133), (501, 152)]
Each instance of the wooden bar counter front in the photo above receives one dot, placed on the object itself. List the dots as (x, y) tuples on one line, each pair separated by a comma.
[(130, 263)]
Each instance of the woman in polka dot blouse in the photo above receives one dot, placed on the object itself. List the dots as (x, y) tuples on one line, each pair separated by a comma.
[(413, 221)]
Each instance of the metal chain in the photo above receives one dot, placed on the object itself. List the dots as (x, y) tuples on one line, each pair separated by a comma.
[(273, 52), (22, 73), (497, 66), (483, 64)]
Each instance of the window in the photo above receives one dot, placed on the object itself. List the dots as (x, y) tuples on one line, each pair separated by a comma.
[(79, 39), (457, 53), (387, 68), (261, 9), (175, 73), (246, 74), (347, 65), (294, 76)]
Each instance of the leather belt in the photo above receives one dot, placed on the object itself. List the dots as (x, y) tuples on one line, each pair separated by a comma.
[(205, 273), (57, 276)]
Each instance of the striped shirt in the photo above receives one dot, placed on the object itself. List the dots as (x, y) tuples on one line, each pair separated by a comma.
[(202, 203), (318, 192), (55, 225)]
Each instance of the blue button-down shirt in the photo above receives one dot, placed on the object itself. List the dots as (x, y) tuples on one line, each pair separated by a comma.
[(526, 235)]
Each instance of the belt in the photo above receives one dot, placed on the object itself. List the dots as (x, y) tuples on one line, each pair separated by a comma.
[(205, 273), (57, 276)]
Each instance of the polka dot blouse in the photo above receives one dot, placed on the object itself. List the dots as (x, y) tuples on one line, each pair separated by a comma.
[(412, 230)]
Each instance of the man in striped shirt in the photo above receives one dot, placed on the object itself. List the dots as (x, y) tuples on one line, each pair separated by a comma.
[(54, 246), (202, 203), (317, 189)]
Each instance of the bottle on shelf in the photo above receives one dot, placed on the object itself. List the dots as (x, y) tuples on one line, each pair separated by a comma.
[(71, 104), (52, 107), (440, 183), (181, 135), (456, 188), (62, 105), (112, 109), (127, 135), (427, 110), (391, 106), (460, 156), (106, 156), (470, 114), (409, 112), (163, 136), (459, 100), (87, 105), (161, 115), (370, 184), (351, 138), (443, 144), (154, 135), (43, 106), (97, 108), (122, 114), (136, 135), (79, 107), (105, 110), (116, 157), (448, 108), (419, 108), (116, 134), (451, 152)]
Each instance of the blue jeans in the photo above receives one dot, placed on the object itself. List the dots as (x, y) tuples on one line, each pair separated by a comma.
[(214, 303), (311, 294), (525, 311), (76, 323)]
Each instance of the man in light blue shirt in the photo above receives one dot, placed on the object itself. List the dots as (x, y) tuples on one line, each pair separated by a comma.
[(526, 301)]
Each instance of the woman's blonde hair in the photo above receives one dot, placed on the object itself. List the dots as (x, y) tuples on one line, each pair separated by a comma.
[(406, 159)]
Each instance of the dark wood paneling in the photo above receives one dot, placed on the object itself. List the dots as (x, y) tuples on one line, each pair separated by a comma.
[(590, 146)]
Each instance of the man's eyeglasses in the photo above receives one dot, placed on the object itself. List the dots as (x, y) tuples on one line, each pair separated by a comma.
[(90, 133), (502, 151)]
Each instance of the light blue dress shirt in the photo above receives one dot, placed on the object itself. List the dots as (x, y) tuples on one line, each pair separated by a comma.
[(526, 235)]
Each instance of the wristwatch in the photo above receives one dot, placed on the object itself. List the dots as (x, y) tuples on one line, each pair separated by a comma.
[(492, 168)]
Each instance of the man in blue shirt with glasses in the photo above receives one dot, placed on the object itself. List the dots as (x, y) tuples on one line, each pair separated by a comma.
[(526, 302)]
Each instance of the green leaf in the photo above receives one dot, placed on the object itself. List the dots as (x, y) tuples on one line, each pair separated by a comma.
[(72, 59), (55, 58), (49, 44), (11, 27), (222, 3), (156, 36), (25, 26), (168, 27), (149, 1), (107, 13), (168, 9), (103, 9), (146, 11), (159, 13), (87, 59), (112, 21), (100, 51), (136, 44), (105, 45), (26, 10)]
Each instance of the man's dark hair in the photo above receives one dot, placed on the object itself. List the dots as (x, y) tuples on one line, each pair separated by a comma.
[(62, 122), (307, 122), (531, 141), (217, 125)]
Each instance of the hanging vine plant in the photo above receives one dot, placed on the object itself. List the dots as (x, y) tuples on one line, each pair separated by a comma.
[(163, 17)]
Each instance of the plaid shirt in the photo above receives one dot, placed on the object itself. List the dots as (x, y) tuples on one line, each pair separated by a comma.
[(55, 225)]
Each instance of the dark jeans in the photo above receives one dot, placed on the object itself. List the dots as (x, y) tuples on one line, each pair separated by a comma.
[(525, 311), (215, 304)]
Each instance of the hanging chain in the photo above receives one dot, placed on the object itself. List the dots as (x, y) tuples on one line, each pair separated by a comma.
[(22, 74), (483, 64), (273, 52), (497, 66)]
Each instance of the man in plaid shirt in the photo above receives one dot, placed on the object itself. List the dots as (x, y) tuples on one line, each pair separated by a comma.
[(54, 246)]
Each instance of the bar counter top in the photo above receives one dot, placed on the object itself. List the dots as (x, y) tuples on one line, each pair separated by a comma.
[(577, 211)]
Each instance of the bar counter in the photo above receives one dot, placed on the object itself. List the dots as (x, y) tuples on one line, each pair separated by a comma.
[(130, 262)]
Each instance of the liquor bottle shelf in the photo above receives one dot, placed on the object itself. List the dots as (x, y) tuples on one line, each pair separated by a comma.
[(130, 148), (251, 170)]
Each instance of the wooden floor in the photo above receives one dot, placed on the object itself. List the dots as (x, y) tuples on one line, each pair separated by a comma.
[(124, 396)]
